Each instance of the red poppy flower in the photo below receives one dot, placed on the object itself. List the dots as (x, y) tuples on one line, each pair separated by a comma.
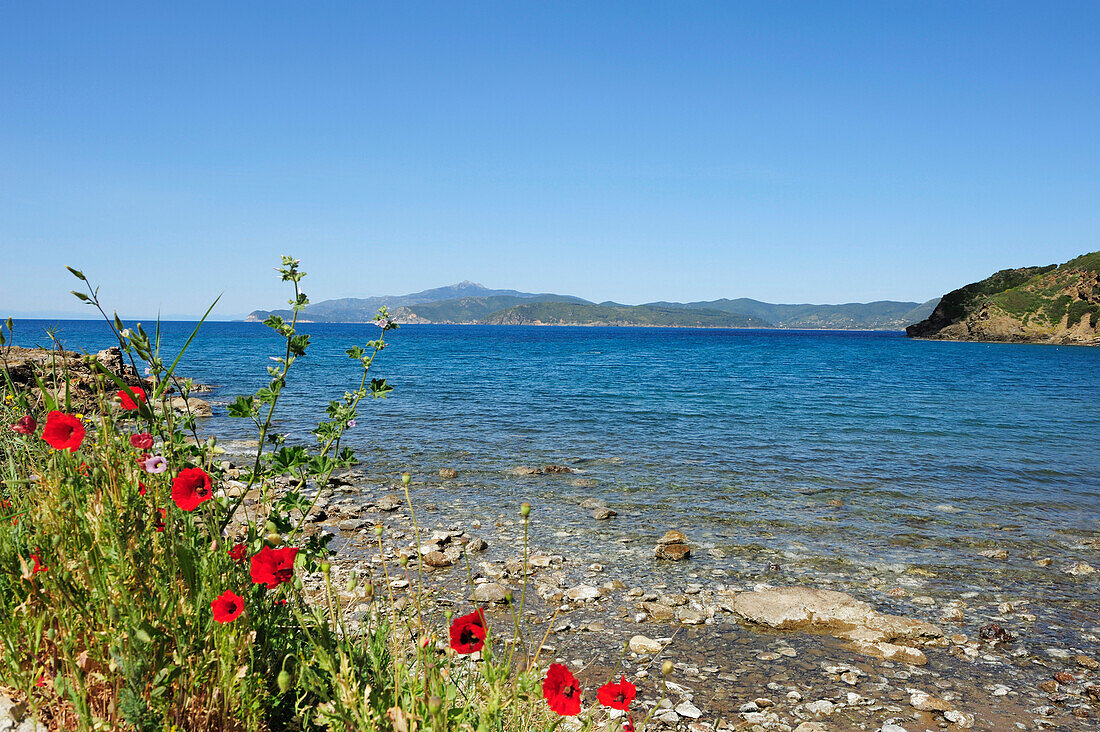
[(38, 566), (617, 696), (227, 607), (143, 441), (561, 691), (238, 552), (190, 488), (25, 426), (141, 488), (83, 469), (272, 567), (162, 514), (129, 404), (468, 632), (63, 431), (628, 725)]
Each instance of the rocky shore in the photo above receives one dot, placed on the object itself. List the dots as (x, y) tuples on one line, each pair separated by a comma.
[(748, 655)]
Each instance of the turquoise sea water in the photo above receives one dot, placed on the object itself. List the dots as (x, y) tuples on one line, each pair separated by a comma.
[(739, 437)]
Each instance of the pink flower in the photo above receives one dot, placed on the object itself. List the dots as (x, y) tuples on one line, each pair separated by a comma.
[(156, 464)]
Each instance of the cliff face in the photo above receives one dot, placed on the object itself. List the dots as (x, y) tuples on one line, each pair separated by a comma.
[(1052, 304)]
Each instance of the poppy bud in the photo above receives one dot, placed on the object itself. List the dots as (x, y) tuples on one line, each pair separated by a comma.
[(284, 681), (298, 583), (274, 539), (51, 633), (434, 704), (666, 668), (404, 560), (368, 591), (326, 567), (508, 597), (406, 479), (270, 527), (525, 509), (353, 580)]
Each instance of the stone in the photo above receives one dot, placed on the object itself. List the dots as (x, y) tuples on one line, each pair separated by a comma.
[(389, 502), (524, 470), (840, 615), (925, 702), (1080, 569), (582, 593), (558, 470), (994, 553), (689, 710), (673, 552), (687, 616), (659, 611), (995, 633), (603, 513), (448, 473), (194, 405), (438, 559), (1087, 662), (490, 592), (822, 707), (476, 545), (672, 537), (962, 720), (811, 727), (647, 646)]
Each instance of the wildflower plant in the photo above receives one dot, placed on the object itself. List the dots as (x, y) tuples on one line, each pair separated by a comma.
[(137, 593)]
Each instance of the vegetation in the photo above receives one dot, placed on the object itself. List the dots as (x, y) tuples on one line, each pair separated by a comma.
[(1045, 300), (136, 594), (559, 313)]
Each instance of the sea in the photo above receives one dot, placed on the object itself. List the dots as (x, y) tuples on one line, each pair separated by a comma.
[(843, 458)]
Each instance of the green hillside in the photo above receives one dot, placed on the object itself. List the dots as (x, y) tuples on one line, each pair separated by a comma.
[(562, 313), (1048, 304)]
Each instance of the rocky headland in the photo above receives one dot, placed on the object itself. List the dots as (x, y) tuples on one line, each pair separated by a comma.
[(1054, 304)]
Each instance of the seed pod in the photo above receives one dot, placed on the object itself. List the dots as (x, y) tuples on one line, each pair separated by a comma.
[(406, 479), (284, 681), (666, 668), (434, 705), (525, 509)]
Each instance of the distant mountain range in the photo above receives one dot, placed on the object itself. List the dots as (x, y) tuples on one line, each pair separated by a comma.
[(471, 303), (1056, 303)]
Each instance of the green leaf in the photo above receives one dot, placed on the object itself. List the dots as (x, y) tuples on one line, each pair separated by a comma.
[(242, 407), (379, 388)]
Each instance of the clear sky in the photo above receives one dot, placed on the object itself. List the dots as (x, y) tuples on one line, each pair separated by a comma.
[(634, 151)]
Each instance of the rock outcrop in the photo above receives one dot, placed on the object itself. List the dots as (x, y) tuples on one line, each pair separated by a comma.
[(839, 615), (1051, 304), (53, 366)]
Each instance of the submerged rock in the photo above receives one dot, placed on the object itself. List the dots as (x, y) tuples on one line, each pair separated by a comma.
[(673, 545), (448, 473)]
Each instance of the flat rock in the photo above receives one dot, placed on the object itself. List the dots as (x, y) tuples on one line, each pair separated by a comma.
[(389, 502), (582, 593), (837, 614), (603, 513), (490, 592), (194, 405), (659, 611), (448, 473), (647, 646), (925, 702)]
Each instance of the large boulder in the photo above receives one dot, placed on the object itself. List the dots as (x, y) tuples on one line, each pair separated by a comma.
[(839, 615)]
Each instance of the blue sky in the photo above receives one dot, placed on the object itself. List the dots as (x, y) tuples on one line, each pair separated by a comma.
[(791, 152)]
